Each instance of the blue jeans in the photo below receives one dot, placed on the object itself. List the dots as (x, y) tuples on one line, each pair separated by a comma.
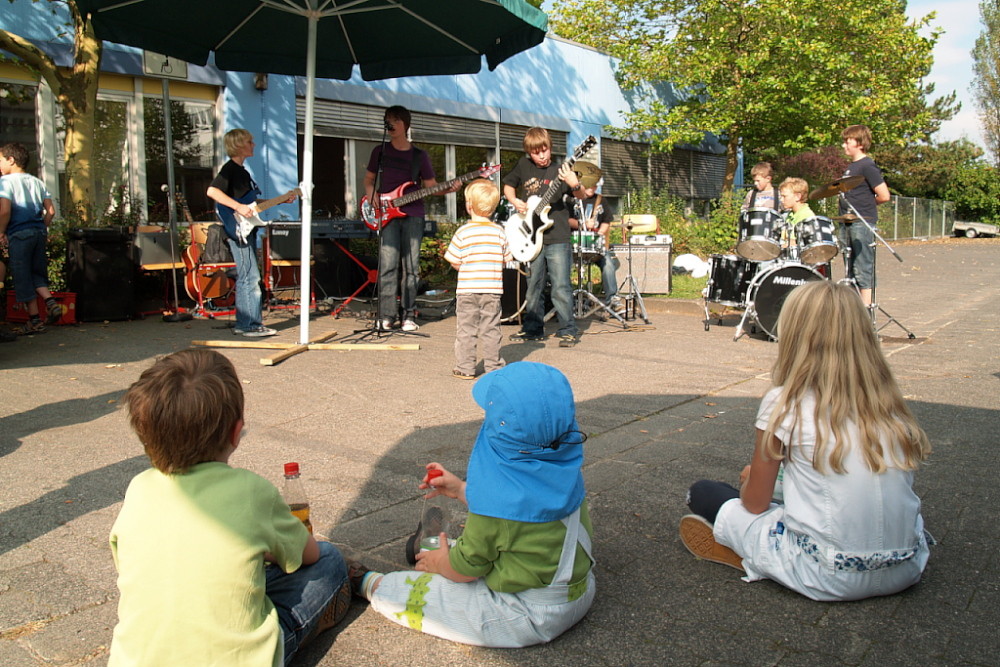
[(400, 240), (608, 276), (28, 262), (555, 261), (248, 295), (301, 596), (858, 237)]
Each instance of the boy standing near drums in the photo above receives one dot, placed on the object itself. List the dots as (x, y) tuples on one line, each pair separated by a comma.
[(763, 194), (865, 198)]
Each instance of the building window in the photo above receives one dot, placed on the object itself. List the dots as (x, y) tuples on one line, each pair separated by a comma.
[(192, 127)]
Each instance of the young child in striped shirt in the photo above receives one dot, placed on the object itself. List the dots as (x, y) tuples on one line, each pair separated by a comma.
[(478, 251)]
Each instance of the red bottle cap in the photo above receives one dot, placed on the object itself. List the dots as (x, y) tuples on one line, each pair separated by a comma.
[(433, 473), (291, 468)]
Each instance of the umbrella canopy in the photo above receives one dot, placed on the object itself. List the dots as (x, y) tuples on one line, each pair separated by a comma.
[(324, 38), (386, 38)]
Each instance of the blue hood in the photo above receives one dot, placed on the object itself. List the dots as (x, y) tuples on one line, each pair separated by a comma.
[(513, 473)]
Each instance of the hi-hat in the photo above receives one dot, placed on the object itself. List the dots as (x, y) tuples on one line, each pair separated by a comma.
[(836, 187), (588, 173)]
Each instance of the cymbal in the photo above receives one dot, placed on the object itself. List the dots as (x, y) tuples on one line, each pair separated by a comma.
[(836, 187), (588, 173)]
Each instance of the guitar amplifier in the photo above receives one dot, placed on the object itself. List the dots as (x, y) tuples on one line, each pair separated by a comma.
[(154, 248), (650, 265), (286, 240)]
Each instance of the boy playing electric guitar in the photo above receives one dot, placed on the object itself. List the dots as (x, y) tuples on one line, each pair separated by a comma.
[(235, 190), (532, 175)]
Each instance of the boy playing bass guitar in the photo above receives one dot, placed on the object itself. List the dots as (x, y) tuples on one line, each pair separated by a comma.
[(235, 191)]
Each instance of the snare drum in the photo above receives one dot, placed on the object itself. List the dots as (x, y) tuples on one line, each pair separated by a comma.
[(816, 240), (760, 234), (588, 244), (729, 279)]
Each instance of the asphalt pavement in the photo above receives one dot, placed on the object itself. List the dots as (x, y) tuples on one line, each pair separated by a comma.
[(664, 404)]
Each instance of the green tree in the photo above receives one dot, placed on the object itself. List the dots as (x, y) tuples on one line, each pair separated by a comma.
[(986, 82), (75, 90), (762, 73), (925, 169), (976, 192)]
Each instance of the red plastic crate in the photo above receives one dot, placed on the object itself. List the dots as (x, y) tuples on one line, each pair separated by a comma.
[(18, 312)]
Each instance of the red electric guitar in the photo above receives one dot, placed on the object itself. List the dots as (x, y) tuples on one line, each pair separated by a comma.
[(376, 218)]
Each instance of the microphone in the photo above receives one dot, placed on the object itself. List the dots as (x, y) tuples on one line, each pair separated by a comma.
[(388, 126)]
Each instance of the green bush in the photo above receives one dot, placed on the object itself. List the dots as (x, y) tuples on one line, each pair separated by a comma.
[(698, 236)]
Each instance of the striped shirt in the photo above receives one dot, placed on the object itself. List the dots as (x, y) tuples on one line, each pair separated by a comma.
[(480, 249)]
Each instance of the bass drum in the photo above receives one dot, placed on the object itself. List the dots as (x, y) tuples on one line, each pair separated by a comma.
[(771, 287)]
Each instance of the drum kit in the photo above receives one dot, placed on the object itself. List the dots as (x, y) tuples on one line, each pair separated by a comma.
[(773, 257)]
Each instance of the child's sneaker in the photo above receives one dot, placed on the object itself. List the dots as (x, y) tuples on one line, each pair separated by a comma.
[(524, 335), (54, 311), (463, 376), (697, 536), (356, 576), (410, 325), (568, 340), (336, 610), (33, 326)]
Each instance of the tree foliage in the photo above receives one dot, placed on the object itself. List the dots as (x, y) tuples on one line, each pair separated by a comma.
[(763, 73), (986, 80), (976, 192), (75, 90)]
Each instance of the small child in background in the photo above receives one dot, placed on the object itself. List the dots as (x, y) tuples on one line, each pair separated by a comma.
[(193, 536), (26, 210), (850, 525), (521, 573), (478, 251)]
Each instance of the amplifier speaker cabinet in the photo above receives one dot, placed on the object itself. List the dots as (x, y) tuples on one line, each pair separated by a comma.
[(286, 241), (651, 266), (100, 270)]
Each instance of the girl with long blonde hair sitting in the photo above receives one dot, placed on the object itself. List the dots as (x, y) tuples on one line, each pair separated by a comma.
[(836, 422)]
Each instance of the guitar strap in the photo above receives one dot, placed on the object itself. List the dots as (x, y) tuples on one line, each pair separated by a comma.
[(415, 166)]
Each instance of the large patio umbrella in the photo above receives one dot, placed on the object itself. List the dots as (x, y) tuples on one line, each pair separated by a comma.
[(324, 38)]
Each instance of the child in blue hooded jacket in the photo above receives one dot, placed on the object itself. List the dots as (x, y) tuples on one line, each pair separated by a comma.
[(521, 573)]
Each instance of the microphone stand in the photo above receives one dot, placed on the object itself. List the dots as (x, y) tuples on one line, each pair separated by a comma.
[(873, 307)]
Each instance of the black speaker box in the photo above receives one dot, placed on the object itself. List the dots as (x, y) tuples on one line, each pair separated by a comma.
[(100, 270), (286, 240), (335, 272)]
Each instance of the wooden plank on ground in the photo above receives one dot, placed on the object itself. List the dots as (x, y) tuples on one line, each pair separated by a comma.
[(363, 346), (247, 344), (292, 350)]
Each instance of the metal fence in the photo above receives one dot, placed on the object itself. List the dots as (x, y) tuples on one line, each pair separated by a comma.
[(907, 217)]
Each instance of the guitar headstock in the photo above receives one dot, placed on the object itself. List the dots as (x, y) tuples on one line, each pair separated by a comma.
[(584, 147), (488, 170)]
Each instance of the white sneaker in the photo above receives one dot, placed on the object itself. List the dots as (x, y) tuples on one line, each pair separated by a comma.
[(385, 325), (410, 325), (259, 332)]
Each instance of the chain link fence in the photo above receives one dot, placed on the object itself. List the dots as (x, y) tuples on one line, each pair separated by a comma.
[(906, 217)]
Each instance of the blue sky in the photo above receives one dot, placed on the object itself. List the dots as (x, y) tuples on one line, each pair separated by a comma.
[(952, 69)]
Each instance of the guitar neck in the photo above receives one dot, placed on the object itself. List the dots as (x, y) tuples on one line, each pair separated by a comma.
[(434, 189), (274, 201), (553, 188)]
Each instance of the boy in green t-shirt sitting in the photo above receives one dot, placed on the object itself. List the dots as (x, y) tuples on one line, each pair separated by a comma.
[(193, 536), (521, 573)]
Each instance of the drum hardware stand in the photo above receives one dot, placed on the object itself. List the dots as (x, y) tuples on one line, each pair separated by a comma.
[(632, 297), (581, 295), (873, 307)]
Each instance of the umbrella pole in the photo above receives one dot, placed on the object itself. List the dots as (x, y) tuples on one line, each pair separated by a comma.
[(307, 181), (175, 316)]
